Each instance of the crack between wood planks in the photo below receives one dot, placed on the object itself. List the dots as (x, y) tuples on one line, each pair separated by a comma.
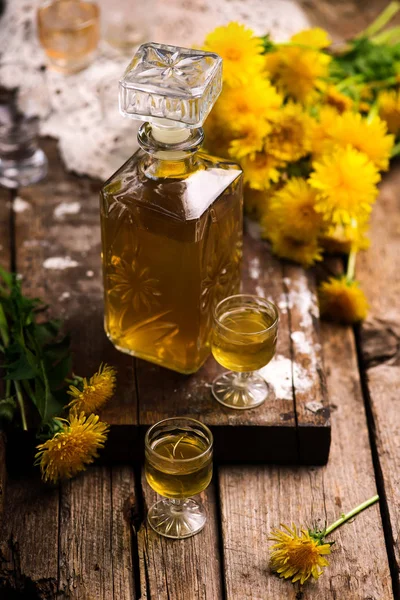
[(296, 420), (137, 520), (380, 484), (218, 510)]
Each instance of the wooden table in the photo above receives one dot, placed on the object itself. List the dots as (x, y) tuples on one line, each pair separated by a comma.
[(88, 539)]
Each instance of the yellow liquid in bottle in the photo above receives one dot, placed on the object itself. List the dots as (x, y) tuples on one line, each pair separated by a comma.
[(167, 262), (240, 341), (179, 479)]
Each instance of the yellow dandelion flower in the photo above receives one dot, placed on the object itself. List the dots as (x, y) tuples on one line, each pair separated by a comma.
[(315, 38), (256, 201), (73, 448), (258, 98), (289, 139), (296, 70), (296, 555), (292, 208), (251, 132), (342, 300), (389, 109), (319, 132), (96, 392), (261, 170), (240, 50), (333, 97), (283, 245), (367, 136), (346, 181), (340, 239)]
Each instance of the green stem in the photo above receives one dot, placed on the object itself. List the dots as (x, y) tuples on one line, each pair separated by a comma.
[(351, 265), (21, 405), (388, 37), (3, 327), (395, 150), (381, 21), (344, 518)]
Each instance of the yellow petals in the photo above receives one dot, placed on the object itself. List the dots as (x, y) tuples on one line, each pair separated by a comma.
[(389, 109), (289, 139), (73, 448), (261, 170), (251, 133), (296, 70), (296, 555), (285, 246), (346, 183), (334, 98), (342, 300), (258, 98), (239, 49), (368, 136), (315, 38), (320, 131), (292, 210), (96, 392)]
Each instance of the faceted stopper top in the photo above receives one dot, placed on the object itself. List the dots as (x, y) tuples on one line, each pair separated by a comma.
[(167, 82)]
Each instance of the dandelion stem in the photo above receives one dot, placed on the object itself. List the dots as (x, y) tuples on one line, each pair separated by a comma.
[(381, 21), (21, 405), (344, 518), (351, 265)]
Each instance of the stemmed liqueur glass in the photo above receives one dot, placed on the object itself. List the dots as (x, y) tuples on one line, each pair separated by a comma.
[(243, 340), (178, 465)]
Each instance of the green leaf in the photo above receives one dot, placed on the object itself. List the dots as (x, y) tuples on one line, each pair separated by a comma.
[(8, 407)]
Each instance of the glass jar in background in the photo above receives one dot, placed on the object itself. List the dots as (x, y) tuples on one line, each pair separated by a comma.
[(126, 23), (69, 32), (22, 162)]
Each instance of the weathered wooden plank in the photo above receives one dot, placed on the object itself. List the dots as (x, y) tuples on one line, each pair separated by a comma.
[(29, 539), (256, 499), (309, 383), (95, 546), (380, 346), (58, 255), (180, 569), (269, 431)]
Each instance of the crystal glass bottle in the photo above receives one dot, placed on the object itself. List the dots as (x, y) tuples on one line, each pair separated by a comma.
[(171, 215)]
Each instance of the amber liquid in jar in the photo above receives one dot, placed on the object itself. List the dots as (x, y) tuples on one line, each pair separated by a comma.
[(172, 249), (175, 478), (69, 33), (238, 341)]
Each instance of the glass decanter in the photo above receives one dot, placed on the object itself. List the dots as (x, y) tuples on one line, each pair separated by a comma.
[(171, 216)]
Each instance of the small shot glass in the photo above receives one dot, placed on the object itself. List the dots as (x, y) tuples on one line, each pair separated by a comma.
[(69, 32), (178, 465), (244, 340)]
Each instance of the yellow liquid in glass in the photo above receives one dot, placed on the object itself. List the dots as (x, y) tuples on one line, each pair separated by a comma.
[(179, 479), (240, 342), (69, 32)]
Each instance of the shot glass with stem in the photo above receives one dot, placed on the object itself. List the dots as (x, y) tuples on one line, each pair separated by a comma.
[(178, 465), (243, 340)]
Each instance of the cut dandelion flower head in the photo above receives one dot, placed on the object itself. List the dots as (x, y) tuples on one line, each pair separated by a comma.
[(74, 447), (91, 395)]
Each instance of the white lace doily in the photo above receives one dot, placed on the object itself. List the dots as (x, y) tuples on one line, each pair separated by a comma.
[(81, 110)]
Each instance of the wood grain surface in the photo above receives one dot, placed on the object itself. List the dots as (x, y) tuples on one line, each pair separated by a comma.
[(181, 569), (256, 499), (380, 347)]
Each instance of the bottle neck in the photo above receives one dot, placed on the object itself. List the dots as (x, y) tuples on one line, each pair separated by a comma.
[(172, 149)]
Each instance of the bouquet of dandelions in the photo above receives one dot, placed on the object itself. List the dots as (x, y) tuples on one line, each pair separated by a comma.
[(313, 125)]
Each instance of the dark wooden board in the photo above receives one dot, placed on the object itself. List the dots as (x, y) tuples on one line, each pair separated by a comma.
[(380, 352), (60, 227), (256, 499)]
